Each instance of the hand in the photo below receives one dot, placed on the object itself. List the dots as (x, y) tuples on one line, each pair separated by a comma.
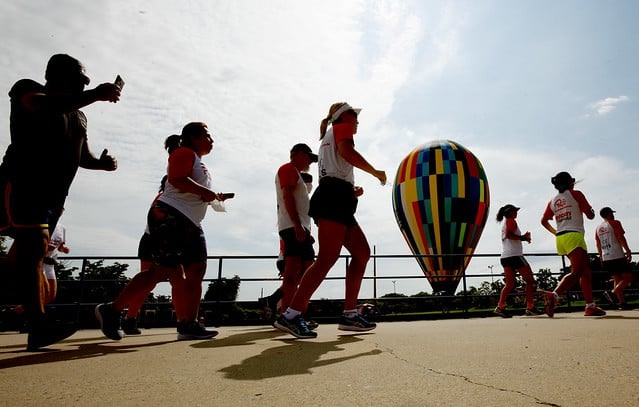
[(107, 92), (629, 256), (210, 196), (381, 176), (526, 237), (107, 162), (359, 191)]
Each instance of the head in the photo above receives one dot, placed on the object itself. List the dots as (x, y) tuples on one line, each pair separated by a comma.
[(172, 143), (607, 213), (563, 181), (195, 135), (507, 211), (65, 73), (302, 156), (338, 113)]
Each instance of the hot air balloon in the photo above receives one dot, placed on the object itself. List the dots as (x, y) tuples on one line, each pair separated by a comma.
[(441, 202)]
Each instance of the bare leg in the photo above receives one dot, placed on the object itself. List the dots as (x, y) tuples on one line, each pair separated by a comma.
[(194, 274), (330, 237), (28, 249), (509, 284), (137, 290), (293, 270), (621, 282), (356, 243), (578, 266), (527, 274)]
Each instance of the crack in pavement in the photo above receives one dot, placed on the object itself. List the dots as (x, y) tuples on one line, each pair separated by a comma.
[(467, 379)]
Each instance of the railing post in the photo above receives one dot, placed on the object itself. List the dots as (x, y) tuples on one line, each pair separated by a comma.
[(465, 300), (80, 301), (375, 274), (219, 315), (563, 267)]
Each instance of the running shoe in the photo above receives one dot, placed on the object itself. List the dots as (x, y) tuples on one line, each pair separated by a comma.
[(357, 323), (45, 333), (296, 327), (594, 311), (550, 303), (502, 312), (130, 326), (110, 321), (624, 306), (312, 325), (531, 312), (190, 331)]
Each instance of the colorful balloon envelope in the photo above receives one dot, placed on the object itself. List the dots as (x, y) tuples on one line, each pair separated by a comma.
[(441, 201)]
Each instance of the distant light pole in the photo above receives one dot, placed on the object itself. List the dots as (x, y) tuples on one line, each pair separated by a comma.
[(394, 290), (492, 281)]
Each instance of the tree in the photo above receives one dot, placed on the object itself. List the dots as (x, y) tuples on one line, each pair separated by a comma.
[(63, 271), (68, 286), (485, 288), (393, 295), (223, 289), (545, 280), (496, 286), (102, 283), (3, 245)]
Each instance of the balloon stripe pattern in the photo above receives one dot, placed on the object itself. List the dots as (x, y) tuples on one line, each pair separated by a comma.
[(441, 201)]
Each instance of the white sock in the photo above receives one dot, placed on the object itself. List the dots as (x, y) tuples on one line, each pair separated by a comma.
[(591, 305), (350, 313), (290, 313)]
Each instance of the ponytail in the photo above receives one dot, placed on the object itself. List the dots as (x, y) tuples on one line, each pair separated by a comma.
[(324, 124), (323, 127)]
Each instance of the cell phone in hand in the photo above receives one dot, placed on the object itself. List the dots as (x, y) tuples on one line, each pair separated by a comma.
[(119, 81), (228, 195)]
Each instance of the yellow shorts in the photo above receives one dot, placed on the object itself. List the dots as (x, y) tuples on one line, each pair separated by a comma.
[(569, 241)]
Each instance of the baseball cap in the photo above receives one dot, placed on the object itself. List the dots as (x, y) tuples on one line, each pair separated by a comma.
[(304, 148), (606, 211), (509, 207), (344, 108), (562, 179), (63, 66)]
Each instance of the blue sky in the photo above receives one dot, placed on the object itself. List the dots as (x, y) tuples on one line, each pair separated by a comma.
[(530, 87)]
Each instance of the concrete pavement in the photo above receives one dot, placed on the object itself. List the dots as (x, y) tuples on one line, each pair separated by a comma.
[(569, 360)]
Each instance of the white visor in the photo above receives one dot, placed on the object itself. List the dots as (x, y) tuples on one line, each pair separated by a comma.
[(346, 107)]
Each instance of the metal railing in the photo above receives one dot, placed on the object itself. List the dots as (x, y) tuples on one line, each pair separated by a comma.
[(378, 272)]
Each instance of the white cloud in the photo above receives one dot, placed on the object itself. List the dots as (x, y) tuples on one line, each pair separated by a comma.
[(604, 106), (263, 74)]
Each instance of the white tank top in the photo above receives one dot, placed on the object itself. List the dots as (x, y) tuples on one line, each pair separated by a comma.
[(510, 247), (191, 205), (300, 194), (610, 247), (568, 216), (331, 163)]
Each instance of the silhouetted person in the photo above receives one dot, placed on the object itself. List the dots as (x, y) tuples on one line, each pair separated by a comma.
[(47, 131)]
